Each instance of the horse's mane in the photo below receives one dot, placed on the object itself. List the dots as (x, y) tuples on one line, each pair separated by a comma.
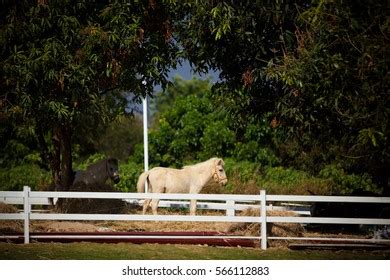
[(98, 172), (214, 159), (102, 163)]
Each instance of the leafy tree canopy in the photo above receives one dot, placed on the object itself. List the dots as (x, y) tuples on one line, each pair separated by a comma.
[(317, 71), (336, 84), (67, 66)]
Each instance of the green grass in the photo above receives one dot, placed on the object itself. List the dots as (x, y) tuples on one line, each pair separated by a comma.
[(126, 251)]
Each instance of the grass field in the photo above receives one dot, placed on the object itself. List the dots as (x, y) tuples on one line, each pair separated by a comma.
[(126, 251)]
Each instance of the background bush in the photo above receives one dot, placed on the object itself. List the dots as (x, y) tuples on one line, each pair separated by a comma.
[(346, 184), (129, 173), (13, 179)]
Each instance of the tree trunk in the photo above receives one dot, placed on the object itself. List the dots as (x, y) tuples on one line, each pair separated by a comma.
[(67, 175), (56, 159), (45, 155), (61, 163)]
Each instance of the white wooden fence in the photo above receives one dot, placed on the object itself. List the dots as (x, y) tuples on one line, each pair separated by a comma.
[(231, 204)]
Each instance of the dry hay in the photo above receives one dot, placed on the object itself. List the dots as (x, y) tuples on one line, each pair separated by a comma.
[(160, 226), (8, 226), (91, 206), (133, 226), (7, 208), (273, 229), (62, 226)]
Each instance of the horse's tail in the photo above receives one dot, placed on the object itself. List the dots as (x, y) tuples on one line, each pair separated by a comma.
[(141, 182)]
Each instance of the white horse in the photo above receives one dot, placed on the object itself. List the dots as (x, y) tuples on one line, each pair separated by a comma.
[(190, 179)]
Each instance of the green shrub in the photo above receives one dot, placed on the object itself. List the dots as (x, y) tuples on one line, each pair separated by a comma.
[(284, 176), (280, 180), (241, 176), (217, 140), (243, 170), (129, 173), (343, 183), (13, 179), (252, 151), (245, 177)]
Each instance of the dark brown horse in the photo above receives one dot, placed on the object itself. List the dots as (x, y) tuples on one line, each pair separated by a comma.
[(99, 173)]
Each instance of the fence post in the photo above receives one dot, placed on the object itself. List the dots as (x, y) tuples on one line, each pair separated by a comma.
[(263, 217), (26, 211), (230, 211)]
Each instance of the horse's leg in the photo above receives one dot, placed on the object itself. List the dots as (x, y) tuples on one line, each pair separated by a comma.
[(146, 205), (193, 207), (154, 206)]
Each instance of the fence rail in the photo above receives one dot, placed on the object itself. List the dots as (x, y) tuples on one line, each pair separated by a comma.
[(29, 198)]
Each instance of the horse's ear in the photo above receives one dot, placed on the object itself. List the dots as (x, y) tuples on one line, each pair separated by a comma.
[(220, 162)]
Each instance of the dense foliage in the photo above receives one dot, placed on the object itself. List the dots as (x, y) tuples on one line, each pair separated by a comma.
[(337, 86), (67, 68), (316, 71), (303, 95)]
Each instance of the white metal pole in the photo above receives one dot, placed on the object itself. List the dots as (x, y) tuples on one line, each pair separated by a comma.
[(146, 148), (26, 210)]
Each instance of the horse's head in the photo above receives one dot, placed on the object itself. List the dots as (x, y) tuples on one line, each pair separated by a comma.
[(219, 174), (113, 170)]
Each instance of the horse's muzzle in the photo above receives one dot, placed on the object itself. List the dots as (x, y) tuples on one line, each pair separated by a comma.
[(116, 179), (223, 182)]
